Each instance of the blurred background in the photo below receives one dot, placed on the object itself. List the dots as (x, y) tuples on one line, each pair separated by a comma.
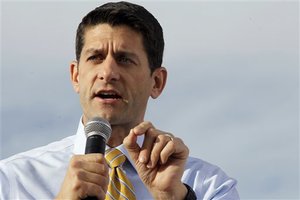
[(232, 93)]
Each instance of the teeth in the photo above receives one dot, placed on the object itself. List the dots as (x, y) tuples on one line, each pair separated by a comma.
[(107, 93)]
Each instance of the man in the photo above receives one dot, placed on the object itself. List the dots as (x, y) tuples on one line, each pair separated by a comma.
[(119, 49)]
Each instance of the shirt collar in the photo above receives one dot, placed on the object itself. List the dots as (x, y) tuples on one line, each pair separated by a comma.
[(80, 142)]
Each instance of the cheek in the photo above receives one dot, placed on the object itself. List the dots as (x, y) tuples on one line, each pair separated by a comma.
[(85, 80), (143, 89)]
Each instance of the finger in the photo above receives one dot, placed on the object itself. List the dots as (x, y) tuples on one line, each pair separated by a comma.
[(171, 136), (142, 128), (181, 150), (93, 157), (149, 139), (147, 129), (95, 163), (175, 148), (130, 143), (91, 190), (159, 145), (97, 168), (90, 177), (167, 151)]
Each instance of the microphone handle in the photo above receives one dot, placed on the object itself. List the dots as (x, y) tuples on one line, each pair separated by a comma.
[(90, 198), (94, 144)]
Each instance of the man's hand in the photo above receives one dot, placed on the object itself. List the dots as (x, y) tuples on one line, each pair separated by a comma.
[(159, 162), (87, 175)]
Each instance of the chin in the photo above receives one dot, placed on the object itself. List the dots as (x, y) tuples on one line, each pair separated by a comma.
[(110, 117)]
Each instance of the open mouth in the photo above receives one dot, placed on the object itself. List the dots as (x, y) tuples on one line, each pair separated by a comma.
[(108, 95)]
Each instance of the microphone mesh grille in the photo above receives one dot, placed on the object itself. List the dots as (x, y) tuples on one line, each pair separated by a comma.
[(98, 125)]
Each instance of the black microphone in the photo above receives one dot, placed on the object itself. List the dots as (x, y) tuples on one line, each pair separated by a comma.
[(98, 131)]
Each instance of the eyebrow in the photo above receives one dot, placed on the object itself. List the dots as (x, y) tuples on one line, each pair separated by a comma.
[(93, 50), (126, 53), (118, 53)]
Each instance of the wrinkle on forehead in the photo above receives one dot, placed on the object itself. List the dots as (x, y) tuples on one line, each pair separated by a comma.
[(116, 38)]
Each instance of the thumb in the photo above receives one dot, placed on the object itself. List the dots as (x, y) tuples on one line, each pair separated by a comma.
[(130, 143)]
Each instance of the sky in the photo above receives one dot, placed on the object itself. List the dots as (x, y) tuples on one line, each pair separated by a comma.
[(232, 93)]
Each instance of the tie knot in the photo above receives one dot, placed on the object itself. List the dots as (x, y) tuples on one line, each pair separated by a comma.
[(114, 158)]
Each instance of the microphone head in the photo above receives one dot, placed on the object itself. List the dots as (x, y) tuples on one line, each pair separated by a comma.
[(98, 126)]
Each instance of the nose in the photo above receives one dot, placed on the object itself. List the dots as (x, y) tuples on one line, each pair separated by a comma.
[(108, 70)]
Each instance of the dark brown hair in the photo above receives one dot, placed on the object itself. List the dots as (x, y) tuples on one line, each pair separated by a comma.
[(133, 16)]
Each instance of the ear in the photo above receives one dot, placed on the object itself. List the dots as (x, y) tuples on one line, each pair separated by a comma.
[(159, 77), (74, 73)]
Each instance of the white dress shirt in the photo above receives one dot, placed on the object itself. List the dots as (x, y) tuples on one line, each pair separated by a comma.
[(39, 173)]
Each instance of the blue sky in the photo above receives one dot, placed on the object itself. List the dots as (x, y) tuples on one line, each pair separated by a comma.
[(232, 93)]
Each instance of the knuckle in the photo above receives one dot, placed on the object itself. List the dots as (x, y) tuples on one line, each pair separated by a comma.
[(180, 140), (162, 137), (96, 190), (103, 169), (187, 150), (171, 145), (101, 193), (75, 162), (148, 123), (105, 182), (98, 158), (94, 187), (78, 185), (171, 135), (82, 191), (152, 132), (79, 174)]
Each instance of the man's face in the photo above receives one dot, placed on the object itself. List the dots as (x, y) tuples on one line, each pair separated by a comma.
[(113, 77)]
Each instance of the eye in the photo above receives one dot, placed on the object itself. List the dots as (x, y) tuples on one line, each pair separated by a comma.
[(91, 58), (97, 57), (125, 60)]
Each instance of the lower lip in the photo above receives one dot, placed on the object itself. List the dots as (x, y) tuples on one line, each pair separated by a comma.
[(108, 101)]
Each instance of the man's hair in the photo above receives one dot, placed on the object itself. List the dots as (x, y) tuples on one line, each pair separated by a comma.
[(134, 16)]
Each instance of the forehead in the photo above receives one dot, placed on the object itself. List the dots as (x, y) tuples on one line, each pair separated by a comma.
[(117, 37)]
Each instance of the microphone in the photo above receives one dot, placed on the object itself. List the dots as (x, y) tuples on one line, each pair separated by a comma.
[(98, 131)]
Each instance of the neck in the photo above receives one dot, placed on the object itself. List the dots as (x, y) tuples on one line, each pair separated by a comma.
[(119, 132), (117, 136)]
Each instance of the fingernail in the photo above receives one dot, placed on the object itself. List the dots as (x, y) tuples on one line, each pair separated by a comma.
[(149, 165), (142, 159)]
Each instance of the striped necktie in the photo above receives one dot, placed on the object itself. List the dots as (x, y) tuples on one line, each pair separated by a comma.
[(119, 186)]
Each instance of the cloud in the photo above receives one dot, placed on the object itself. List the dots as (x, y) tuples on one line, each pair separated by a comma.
[(232, 91)]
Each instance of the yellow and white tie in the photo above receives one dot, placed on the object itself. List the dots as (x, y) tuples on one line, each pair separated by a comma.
[(119, 186)]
